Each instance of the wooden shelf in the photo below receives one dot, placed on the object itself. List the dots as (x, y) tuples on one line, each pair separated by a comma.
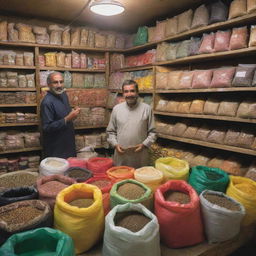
[(61, 47), (17, 105), (210, 56), (20, 150), (17, 124), (140, 91), (90, 127), (206, 90), (239, 21), (223, 118), (136, 68), (17, 67), (73, 69), (17, 89), (209, 144)]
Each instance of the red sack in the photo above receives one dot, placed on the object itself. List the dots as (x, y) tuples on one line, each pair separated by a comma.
[(77, 162), (180, 224), (99, 165), (105, 185)]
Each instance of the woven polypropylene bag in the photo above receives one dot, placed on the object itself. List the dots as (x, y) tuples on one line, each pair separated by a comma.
[(99, 165), (115, 175)]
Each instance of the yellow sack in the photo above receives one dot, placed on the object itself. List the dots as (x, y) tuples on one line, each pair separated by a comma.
[(244, 191), (173, 168), (84, 225), (149, 176)]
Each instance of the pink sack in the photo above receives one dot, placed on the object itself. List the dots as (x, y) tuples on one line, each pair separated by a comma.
[(221, 42), (202, 78), (207, 45), (239, 38)]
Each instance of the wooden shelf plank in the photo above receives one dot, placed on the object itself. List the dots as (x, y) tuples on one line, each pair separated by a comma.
[(17, 105), (90, 127), (231, 89), (137, 68), (16, 67), (17, 124), (73, 69), (222, 118), (140, 91), (210, 56), (20, 150), (242, 20), (17, 89), (209, 144)]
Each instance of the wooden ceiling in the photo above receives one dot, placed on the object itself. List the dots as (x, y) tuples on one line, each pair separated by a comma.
[(138, 12)]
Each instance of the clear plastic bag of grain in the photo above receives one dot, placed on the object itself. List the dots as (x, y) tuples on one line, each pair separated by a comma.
[(174, 79), (151, 34), (232, 166), (41, 60), (252, 41), (173, 105), (207, 44), (237, 8), (161, 105), (228, 107), (184, 106), (75, 37), (75, 60), (9, 57), (239, 38), (221, 42), (197, 106), (171, 26), (31, 139), (68, 60), (215, 162), (39, 30), (190, 131), (231, 137), (218, 12), (28, 59), (202, 133), (66, 37), (25, 33), (161, 51), (89, 80), (194, 46), (179, 128), (84, 37), (160, 30), (110, 40), (99, 81), (184, 21), (3, 30), (43, 39), (183, 49), (100, 40), (222, 77), (19, 59), (91, 38), (50, 59), (22, 81), (186, 79), (217, 136), (247, 109), (200, 17), (251, 6), (246, 138), (244, 75), (120, 41), (78, 80), (13, 34), (251, 173), (55, 37), (60, 59), (171, 51), (202, 78)]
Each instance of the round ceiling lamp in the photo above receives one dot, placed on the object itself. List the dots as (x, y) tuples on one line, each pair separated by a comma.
[(106, 7)]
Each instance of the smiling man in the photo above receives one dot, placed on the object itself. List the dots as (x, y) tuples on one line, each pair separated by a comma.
[(131, 128), (57, 117)]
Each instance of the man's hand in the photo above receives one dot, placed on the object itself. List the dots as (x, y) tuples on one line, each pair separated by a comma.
[(73, 114), (119, 149), (138, 148)]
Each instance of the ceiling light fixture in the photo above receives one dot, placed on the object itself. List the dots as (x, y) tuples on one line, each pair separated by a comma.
[(106, 7)]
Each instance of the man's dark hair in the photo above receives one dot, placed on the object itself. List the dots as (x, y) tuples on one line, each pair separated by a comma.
[(128, 82), (49, 77)]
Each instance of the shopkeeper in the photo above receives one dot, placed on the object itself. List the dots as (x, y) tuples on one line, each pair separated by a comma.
[(131, 129), (57, 117)]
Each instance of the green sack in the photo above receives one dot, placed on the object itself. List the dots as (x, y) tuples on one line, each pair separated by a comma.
[(39, 242), (141, 36), (203, 177), (146, 199)]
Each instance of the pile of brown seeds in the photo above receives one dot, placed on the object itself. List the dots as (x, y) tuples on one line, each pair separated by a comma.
[(20, 215), (177, 196), (53, 186), (222, 202), (132, 220), (82, 202), (77, 173), (101, 183), (131, 191), (17, 180)]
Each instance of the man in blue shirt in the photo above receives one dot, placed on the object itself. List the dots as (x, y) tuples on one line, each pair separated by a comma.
[(57, 117)]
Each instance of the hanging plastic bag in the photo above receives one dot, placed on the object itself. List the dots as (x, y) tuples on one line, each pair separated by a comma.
[(84, 225), (141, 36), (221, 222), (203, 177), (180, 223), (121, 241)]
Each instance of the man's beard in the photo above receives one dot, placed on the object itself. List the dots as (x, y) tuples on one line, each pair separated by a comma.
[(131, 100), (58, 90)]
